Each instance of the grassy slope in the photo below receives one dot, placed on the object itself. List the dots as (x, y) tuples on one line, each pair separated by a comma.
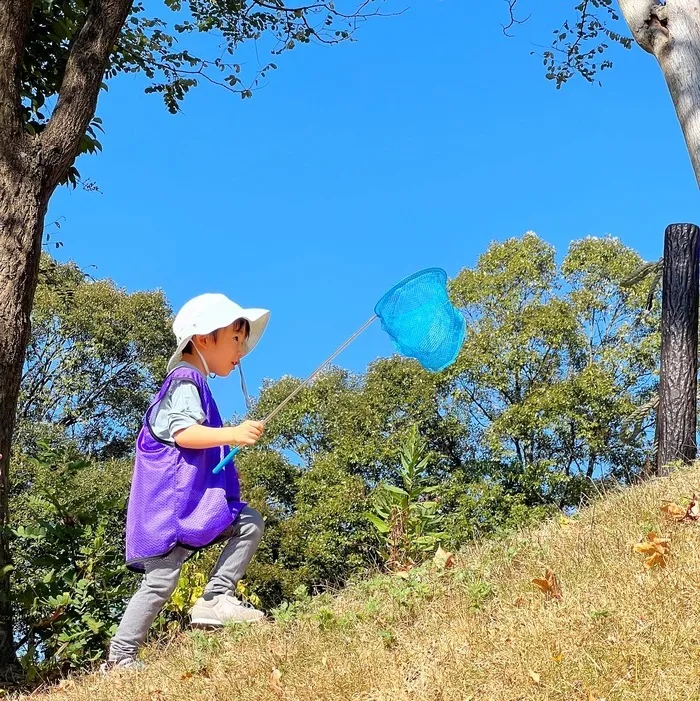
[(480, 630)]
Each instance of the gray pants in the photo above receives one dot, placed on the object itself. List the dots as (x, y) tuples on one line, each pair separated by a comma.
[(162, 574)]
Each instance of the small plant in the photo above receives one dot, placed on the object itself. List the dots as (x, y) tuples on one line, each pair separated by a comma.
[(189, 588), (388, 639), (325, 618), (407, 523), (478, 592), (288, 611)]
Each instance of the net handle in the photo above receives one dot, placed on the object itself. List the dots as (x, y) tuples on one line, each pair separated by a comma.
[(319, 369), (298, 389)]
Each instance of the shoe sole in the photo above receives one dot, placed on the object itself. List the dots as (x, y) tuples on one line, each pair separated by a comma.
[(216, 623), (206, 623)]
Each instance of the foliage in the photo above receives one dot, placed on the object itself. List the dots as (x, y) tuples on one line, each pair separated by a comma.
[(477, 508), (155, 47), (363, 420), (95, 357), (408, 524), (554, 362), (319, 539), (69, 584), (169, 52), (581, 45), (481, 629), (557, 358)]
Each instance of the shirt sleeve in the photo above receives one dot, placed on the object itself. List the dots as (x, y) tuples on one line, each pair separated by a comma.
[(184, 408)]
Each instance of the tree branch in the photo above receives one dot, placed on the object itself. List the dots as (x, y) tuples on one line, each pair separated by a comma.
[(77, 98), (512, 20), (14, 24)]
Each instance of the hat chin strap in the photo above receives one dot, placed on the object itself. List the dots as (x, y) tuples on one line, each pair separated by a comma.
[(204, 362), (244, 389)]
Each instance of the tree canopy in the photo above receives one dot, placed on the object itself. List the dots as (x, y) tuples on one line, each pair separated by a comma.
[(95, 357)]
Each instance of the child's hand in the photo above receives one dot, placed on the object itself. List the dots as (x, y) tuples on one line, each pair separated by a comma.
[(247, 433)]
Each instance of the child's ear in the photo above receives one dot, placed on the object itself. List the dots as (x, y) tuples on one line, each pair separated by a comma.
[(208, 340), (200, 340)]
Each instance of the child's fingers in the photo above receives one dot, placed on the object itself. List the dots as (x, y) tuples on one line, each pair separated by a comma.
[(256, 428), (254, 433), (251, 430)]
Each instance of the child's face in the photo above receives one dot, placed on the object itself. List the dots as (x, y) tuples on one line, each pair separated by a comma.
[(224, 353)]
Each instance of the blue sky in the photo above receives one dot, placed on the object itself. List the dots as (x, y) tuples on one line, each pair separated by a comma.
[(415, 146)]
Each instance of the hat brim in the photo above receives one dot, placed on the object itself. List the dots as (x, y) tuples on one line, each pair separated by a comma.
[(258, 320)]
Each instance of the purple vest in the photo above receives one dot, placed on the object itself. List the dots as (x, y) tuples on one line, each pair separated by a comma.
[(175, 498)]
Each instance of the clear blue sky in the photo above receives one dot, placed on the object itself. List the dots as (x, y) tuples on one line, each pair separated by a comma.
[(430, 137)]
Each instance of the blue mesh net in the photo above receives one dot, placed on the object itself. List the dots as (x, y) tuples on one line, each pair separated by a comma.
[(421, 321)]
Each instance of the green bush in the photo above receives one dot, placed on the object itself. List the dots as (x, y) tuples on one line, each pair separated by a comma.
[(69, 583)]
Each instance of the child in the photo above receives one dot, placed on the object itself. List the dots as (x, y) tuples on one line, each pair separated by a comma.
[(177, 505)]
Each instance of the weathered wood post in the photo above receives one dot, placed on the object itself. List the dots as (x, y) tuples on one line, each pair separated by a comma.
[(676, 414)]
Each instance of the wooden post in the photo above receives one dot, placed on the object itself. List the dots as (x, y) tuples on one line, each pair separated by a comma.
[(679, 347)]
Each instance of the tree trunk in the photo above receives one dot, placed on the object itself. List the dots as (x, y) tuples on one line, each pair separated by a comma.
[(679, 347), (22, 211), (30, 169), (670, 31)]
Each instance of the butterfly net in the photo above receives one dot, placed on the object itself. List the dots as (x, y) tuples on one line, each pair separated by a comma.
[(421, 321)]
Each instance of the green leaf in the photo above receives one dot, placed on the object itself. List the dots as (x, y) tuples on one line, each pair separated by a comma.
[(377, 522), (394, 490)]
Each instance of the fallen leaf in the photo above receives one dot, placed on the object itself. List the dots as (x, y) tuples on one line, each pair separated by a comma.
[(186, 675), (534, 676), (275, 685), (655, 548), (519, 602), (655, 559), (657, 539), (549, 585), (673, 511), (443, 558), (681, 513), (646, 548)]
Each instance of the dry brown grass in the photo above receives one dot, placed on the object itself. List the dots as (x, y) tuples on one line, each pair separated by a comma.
[(479, 631)]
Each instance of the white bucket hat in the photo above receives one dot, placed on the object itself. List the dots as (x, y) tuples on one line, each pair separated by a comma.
[(208, 312)]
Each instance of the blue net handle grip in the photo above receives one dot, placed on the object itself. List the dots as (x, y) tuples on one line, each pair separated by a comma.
[(232, 454)]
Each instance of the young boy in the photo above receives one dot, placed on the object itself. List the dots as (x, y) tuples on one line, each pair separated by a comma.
[(177, 505)]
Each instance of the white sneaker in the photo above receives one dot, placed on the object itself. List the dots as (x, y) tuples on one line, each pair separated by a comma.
[(223, 609), (125, 664)]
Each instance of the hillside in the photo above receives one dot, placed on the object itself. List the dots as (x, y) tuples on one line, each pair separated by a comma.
[(607, 628)]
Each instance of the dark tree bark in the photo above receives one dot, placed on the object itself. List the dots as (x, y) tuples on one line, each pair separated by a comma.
[(30, 169), (679, 347), (21, 214)]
